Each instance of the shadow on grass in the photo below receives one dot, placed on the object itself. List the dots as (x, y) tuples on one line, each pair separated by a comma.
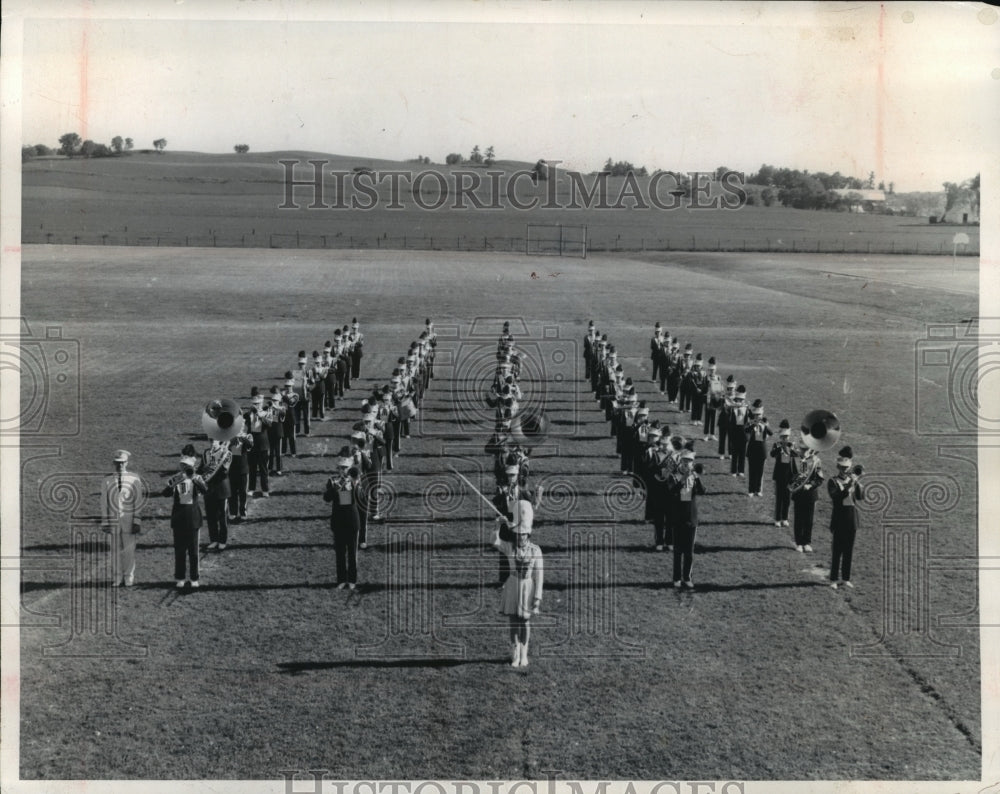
[(297, 668)]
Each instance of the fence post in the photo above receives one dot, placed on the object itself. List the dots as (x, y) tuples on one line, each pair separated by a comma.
[(157, 242)]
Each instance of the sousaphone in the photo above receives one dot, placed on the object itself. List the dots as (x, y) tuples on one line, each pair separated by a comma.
[(222, 419)]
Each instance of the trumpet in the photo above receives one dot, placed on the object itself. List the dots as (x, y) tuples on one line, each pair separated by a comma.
[(291, 399)]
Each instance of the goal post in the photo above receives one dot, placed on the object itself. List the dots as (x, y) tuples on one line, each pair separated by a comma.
[(555, 239)]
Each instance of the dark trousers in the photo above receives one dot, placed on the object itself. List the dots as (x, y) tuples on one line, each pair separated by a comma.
[(345, 543), (673, 386), (697, 406), (186, 553), (683, 550), (708, 428), (755, 461), (803, 522), (257, 458), (782, 499), (238, 487), (843, 552), (685, 401), (215, 515), (586, 366), (670, 518), (356, 365), (663, 379), (302, 416), (723, 436), (656, 368), (317, 398), (274, 438), (288, 439), (347, 375), (330, 384), (738, 449)]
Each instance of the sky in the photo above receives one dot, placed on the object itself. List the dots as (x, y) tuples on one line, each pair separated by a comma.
[(907, 90)]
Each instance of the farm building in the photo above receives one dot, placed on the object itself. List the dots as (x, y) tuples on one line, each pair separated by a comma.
[(864, 200)]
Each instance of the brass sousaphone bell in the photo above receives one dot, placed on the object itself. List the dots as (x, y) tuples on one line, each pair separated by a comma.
[(529, 429), (222, 419), (820, 430)]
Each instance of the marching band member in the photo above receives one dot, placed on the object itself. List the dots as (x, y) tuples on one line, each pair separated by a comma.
[(684, 367), (432, 341), (845, 490), (122, 496), (674, 371), (303, 388), (728, 401), (669, 472), (522, 590), (345, 523), (654, 351), (783, 454), (756, 432), (509, 492), (736, 433), (363, 461), (589, 342), (275, 431), (185, 521), (634, 439), (698, 390), (341, 368), (713, 399), (388, 415), (652, 460), (257, 424), (357, 342), (330, 378), (687, 489), (346, 354), (239, 469), (318, 396), (808, 470), (214, 472), (290, 399), (663, 356)]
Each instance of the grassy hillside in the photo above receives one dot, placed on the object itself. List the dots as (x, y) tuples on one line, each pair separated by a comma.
[(187, 198)]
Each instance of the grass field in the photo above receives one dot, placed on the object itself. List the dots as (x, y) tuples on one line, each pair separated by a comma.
[(270, 668), (181, 198)]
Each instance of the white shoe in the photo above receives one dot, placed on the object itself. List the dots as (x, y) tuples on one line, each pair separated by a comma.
[(195, 585), (342, 585), (707, 438), (742, 474), (807, 547), (799, 549), (180, 584), (659, 547), (834, 585), (688, 583), (735, 474), (222, 547), (351, 585), (129, 581), (524, 655), (722, 457), (377, 517), (847, 583), (777, 523), (515, 656), (362, 545), (213, 546), (677, 583), (784, 523)]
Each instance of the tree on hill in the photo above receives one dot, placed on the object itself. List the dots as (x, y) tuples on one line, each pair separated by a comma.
[(160, 144), (540, 171), (87, 148), (453, 159), (69, 144), (129, 144), (476, 156), (241, 148), (117, 144), (490, 157)]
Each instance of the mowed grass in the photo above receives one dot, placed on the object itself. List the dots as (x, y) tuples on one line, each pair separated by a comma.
[(270, 668), (187, 198)]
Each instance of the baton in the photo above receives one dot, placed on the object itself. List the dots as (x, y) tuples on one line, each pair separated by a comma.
[(478, 493)]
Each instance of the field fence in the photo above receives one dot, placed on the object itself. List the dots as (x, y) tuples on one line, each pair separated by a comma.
[(596, 243)]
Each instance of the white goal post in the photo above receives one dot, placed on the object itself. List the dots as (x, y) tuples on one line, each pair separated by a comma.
[(555, 239)]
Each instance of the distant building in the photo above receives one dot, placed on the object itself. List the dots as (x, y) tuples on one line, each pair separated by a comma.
[(863, 200)]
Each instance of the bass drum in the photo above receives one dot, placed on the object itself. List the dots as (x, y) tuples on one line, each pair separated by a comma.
[(407, 409)]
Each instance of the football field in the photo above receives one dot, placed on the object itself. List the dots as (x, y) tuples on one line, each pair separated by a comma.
[(763, 672)]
